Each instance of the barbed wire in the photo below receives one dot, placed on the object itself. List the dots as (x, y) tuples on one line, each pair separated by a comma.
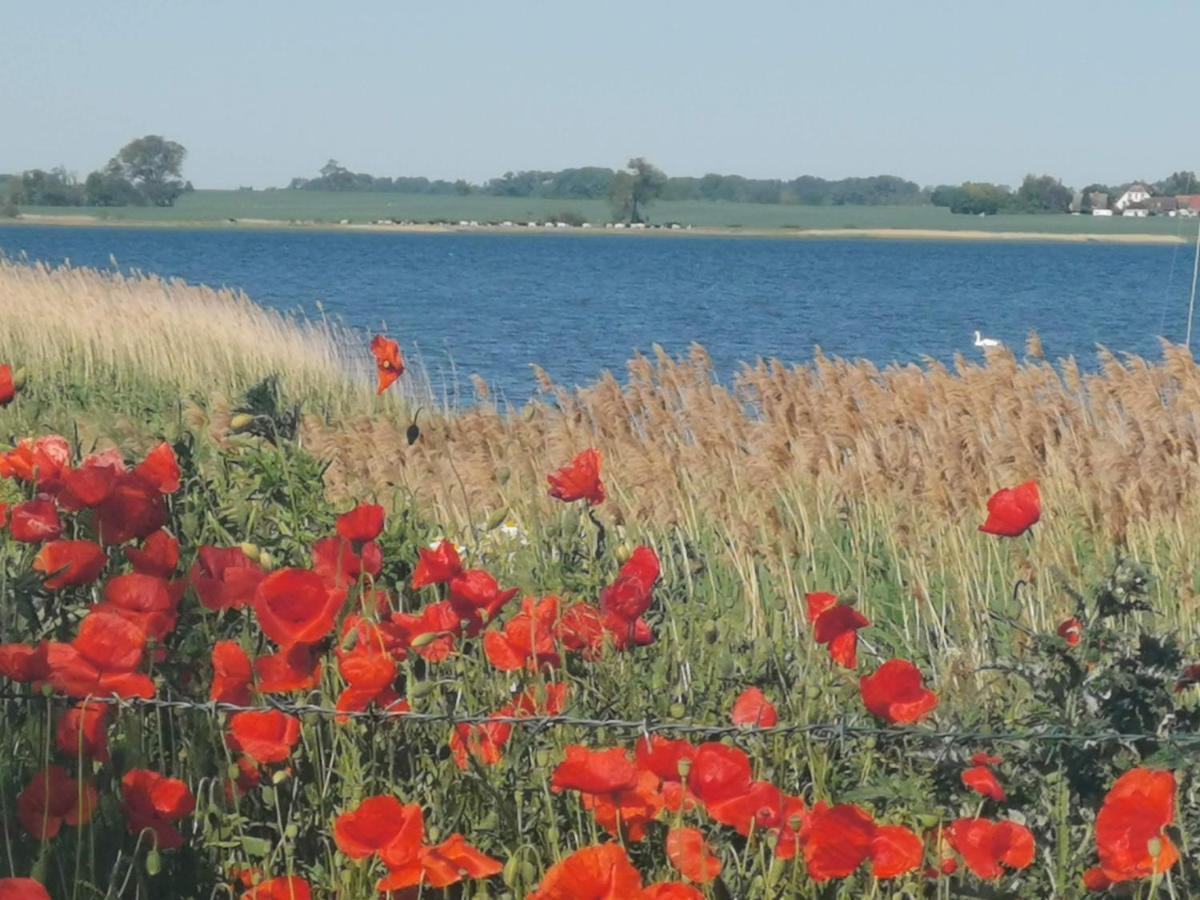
[(821, 731)]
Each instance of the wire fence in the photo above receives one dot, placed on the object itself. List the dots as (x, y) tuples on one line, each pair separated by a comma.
[(818, 731)]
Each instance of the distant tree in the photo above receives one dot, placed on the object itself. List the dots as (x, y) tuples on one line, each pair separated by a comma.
[(1043, 193), (634, 188), (943, 195), (109, 187), (1177, 183), (57, 187), (462, 187), (153, 165), (980, 198)]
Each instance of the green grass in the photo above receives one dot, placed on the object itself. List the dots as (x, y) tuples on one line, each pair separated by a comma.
[(211, 207)]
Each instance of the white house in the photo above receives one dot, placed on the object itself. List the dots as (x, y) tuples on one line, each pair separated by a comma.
[(1137, 193)]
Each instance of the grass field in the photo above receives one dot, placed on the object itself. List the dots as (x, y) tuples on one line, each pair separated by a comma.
[(826, 477), (323, 207)]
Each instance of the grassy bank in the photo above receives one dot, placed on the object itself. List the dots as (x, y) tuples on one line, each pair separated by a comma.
[(832, 476), (217, 207)]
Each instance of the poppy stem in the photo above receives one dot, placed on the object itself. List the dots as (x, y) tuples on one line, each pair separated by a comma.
[(601, 533)]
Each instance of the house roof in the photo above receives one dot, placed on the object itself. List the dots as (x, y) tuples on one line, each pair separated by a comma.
[(1163, 203)]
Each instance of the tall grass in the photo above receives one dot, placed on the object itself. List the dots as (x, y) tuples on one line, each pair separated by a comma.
[(82, 326)]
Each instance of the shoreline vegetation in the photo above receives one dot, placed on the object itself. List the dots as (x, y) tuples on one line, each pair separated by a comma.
[(1051, 656), (73, 220)]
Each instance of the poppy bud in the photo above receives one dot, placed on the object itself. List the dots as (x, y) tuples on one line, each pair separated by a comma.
[(712, 632), (424, 640), (512, 872), (529, 413), (266, 561), (153, 863), (496, 519), (412, 434), (684, 766), (280, 777), (1154, 847), (19, 378), (552, 834), (240, 422), (232, 772), (678, 710), (623, 552), (251, 550), (291, 831)]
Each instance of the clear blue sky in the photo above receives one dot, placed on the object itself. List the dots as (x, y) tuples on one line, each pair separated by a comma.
[(261, 90)]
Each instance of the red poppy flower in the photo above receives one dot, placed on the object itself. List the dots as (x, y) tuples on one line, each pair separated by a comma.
[(288, 887), (89, 485), (431, 633), (82, 731), (70, 563), (377, 823), (633, 591), (35, 521), (602, 872), (389, 362), (294, 668), (670, 760), (232, 674), (225, 578), (53, 799), (895, 851), (8, 387), (838, 627), (22, 889), (159, 555), (1094, 879), (988, 847), (369, 673), (982, 781), (625, 633), (594, 771), (527, 639), (752, 708), (1131, 827), (718, 772), (153, 801), (160, 469), (1071, 631), (759, 807), (363, 523), (339, 566), (837, 840), (294, 606), (476, 597), (144, 600), (986, 759), (102, 660), (436, 566), (579, 480), (133, 509), (3, 514), (40, 461), (265, 737), (895, 693), (438, 867), (24, 663), (484, 742), (581, 630), (627, 813), (1013, 511)]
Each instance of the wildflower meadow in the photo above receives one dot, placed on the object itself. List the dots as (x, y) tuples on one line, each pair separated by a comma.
[(234, 665)]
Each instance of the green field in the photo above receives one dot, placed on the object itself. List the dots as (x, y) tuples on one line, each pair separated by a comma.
[(209, 207)]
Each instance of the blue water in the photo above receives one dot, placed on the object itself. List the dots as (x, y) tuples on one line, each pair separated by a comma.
[(492, 304)]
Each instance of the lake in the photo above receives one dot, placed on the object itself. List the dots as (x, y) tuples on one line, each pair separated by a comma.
[(577, 305)]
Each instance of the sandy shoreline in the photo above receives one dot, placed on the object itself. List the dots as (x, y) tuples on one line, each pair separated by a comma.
[(909, 234)]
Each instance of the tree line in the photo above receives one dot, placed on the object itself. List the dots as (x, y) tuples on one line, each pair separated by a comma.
[(598, 183), (145, 172), (1044, 194)]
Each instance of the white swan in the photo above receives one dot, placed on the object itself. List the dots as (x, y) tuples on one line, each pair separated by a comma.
[(985, 342)]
